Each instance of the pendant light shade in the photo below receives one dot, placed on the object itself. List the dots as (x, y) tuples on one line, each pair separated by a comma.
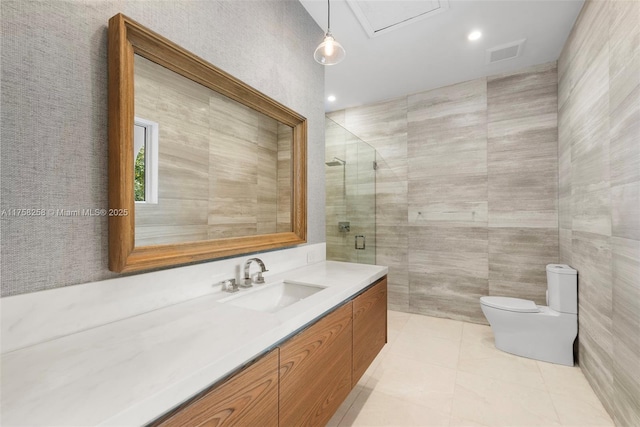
[(329, 52)]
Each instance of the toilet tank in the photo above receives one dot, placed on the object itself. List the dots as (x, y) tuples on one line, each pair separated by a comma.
[(562, 288)]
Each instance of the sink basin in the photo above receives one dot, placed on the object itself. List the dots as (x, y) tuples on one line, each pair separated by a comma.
[(272, 297)]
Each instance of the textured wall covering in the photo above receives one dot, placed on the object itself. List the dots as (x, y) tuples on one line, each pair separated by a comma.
[(599, 175), (54, 114), (466, 191)]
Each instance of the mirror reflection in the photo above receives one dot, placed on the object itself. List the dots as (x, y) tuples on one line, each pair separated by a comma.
[(206, 166)]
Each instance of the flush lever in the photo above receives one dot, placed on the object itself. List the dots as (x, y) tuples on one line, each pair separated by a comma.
[(361, 242)]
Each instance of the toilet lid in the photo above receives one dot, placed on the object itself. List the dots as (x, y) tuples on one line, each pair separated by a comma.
[(510, 304)]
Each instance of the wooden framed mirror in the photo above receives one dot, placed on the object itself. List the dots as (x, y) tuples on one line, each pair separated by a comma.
[(232, 183)]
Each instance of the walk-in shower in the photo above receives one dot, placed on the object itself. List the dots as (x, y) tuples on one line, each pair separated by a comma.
[(351, 196)]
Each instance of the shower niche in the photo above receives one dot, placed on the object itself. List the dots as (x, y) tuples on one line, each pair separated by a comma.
[(350, 196)]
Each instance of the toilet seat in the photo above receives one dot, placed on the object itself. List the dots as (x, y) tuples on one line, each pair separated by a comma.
[(511, 304)]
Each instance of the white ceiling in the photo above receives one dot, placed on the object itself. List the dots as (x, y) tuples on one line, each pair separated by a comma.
[(434, 52)]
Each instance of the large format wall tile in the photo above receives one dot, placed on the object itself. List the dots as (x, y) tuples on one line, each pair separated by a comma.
[(624, 99), (597, 366), (374, 122), (522, 181), (517, 261), (564, 168), (457, 200), (626, 380), (450, 101), (523, 148), (626, 324), (590, 128), (436, 295), (591, 256), (528, 93), (591, 212), (626, 292), (392, 249), (523, 169), (460, 150), (447, 149), (447, 201), (565, 236), (624, 149), (599, 137), (448, 271), (384, 127), (625, 210), (588, 37), (447, 129)]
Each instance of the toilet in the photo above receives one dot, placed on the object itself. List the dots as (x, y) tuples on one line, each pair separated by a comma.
[(535, 331)]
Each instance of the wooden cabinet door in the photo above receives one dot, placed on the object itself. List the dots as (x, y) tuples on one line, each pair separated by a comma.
[(248, 398), (369, 327), (315, 370)]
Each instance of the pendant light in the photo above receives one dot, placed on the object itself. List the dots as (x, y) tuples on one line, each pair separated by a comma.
[(329, 52)]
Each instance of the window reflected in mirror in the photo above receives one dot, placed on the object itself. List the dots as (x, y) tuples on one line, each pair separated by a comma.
[(145, 156), (221, 168)]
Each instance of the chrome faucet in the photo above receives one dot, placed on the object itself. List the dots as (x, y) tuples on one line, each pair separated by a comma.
[(247, 282)]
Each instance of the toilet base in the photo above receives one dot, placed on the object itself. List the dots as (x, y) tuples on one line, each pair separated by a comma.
[(558, 355), (547, 336)]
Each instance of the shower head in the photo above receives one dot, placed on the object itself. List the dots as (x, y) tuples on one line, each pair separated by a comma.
[(336, 162)]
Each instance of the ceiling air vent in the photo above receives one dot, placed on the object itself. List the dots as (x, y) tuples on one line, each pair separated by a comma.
[(505, 51), (379, 17)]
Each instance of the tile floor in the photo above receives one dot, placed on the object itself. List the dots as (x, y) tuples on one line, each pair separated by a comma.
[(439, 372)]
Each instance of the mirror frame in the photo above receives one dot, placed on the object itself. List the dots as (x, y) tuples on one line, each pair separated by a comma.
[(126, 38)]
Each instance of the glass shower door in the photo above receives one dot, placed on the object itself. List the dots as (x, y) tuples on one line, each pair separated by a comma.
[(350, 196)]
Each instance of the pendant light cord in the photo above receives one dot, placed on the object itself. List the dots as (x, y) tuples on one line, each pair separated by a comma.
[(328, 16)]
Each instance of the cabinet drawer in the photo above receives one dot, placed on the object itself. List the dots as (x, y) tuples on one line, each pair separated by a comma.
[(369, 327), (315, 370), (248, 398)]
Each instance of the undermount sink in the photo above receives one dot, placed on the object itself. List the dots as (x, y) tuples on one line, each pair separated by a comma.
[(272, 297)]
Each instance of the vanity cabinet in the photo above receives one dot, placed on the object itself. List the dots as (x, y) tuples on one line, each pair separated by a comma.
[(315, 370), (305, 379), (369, 327), (248, 398)]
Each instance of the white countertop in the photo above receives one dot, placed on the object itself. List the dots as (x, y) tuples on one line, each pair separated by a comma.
[(131, 371)]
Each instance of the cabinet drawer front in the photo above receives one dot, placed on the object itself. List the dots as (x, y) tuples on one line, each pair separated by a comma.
[(249, 398), (315, 370), (369, 327)]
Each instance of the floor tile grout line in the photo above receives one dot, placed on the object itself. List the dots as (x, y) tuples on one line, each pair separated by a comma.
[(455, 380), (369, 378), (339, 424)]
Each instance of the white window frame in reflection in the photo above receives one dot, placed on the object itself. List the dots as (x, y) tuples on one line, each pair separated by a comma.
[(145, 134)]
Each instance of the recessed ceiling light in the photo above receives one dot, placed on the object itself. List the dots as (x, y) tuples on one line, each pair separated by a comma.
[(474, 35), (331, 98)]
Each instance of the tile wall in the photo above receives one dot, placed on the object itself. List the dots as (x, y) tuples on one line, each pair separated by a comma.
[(599, 173), (466, 190)]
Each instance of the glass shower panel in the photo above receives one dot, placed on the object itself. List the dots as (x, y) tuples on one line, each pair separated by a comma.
[(350, 196)]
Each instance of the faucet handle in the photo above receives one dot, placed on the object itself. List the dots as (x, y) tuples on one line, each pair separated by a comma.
[(260, 278), (230, 285)]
